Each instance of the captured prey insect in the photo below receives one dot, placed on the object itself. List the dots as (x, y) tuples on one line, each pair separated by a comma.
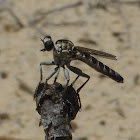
[(64, 51)]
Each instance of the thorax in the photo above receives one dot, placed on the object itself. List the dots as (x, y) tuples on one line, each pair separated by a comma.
[(63, 52)]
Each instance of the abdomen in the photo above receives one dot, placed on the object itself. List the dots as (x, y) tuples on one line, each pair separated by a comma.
[(100, 67)]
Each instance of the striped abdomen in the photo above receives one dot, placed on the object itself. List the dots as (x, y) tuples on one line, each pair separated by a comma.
[(99, 66)]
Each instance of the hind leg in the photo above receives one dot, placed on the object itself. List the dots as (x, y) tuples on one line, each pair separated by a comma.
[(75, 80), (79, 73)]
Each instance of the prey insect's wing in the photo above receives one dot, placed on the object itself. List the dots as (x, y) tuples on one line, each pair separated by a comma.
[(95, 52)]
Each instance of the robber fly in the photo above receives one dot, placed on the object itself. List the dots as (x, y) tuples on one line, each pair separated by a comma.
[(64, 51)]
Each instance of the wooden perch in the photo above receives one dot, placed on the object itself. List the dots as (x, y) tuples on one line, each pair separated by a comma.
[(56, 109)]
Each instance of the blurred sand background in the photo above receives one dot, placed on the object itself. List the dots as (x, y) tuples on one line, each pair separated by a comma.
[(110, 111)]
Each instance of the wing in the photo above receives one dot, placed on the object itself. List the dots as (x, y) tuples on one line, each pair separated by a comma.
[(95, 52)]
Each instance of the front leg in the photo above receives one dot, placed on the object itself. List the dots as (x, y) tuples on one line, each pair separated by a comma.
[(44, 63), (53, 72), (44, 86)]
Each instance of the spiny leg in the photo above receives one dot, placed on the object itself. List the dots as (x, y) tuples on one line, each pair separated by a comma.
[(45, 86), (44, 63), (79, 73), (53, 72), (57, 74), (78, 90), (66, 73), (74, 80)]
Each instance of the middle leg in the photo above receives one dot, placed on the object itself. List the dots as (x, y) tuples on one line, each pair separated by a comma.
[(53, 72), (57, 75), (66, 73)]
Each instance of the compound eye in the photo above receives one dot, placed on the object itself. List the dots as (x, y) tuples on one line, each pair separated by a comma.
[(48, 45), (47, 38)]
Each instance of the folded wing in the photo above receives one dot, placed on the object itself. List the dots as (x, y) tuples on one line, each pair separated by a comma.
[(95, 52)]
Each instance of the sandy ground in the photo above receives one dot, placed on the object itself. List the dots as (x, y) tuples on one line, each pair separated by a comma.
[(110, 111)]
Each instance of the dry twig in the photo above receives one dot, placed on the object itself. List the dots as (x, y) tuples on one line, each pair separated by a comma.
[(24, 86), (45, 13), (75, 23), (125, 20), (128, 1), (11, 12), (33, 25)]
